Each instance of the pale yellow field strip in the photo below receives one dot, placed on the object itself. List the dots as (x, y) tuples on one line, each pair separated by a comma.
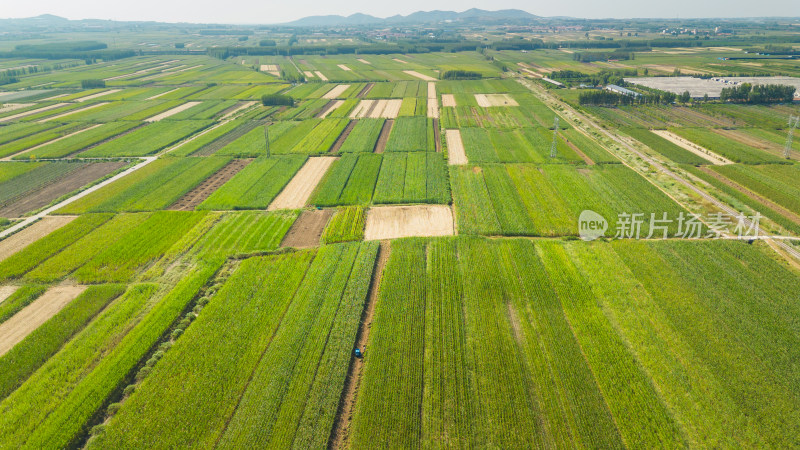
[(321, 76), (448, 100), (172, 112), (268, 67), (400, 60), (97, 95), (8, 107), (431, 90), (21, 324), (161, 94), (492, 100), (241, 107), (391, 222), (309, 74), (433, 108), (692, 147), (361, 109), (32, 112), (336, 92), (416, 74), (33, 233), (74, 111), (295, 195), (363, 61), (455, 148), (344, 67)]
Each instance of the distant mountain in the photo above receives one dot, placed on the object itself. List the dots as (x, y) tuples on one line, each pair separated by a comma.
[(419, 17)]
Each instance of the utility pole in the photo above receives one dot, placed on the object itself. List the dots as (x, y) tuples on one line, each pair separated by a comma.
[(793, 122), (553, 146)]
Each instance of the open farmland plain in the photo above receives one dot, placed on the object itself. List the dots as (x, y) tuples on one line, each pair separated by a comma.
[(197, 236)]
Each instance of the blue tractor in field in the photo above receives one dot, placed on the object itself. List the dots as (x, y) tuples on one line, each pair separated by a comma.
[(359, 354)]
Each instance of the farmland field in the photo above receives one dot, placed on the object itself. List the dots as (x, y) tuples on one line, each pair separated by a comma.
[(442, 230)]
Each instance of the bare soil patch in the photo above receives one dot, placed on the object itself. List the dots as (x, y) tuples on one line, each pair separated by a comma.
[(45, 195), (340, 433), (392, 222), (307, 230), (97, 95), (344, 67), (751, 141), (692, 147), (172, 112), (33, 233), (391, 108), (329, 108), (416, 74), (320, 75), (494, 100), (455, 148), (575, 148), (400, 60), (296, 193), (343, 137), (32, 316), (383, 138), (7, 291), (9, 157), (162, 94), (337, 91), (363, 61), (448, 100), (236, 108), (197, 195)]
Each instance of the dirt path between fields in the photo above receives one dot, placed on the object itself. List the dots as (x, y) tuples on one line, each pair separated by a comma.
[(456, 154), (366, 90), (392, 222), (45, 195), (197, 195), (343, 137), (685, 144), (758, 198), (33, 233), (307, 230), (383, 138), (340, 433), (296, 193), (32, 112), (329, 108), (575, 148), (6, 292), (21, 324)]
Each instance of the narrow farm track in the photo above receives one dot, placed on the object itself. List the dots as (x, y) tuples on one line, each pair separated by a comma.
[(366, 90), (340, 433), (437, 135), (781, 248), (343, 137), (29, 220), (383, 138), (197, 195)]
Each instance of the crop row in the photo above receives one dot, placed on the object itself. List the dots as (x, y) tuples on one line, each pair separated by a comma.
[(347, 224), (255, 186)]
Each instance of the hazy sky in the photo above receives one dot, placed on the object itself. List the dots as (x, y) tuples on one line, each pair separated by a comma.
[(249, 11)]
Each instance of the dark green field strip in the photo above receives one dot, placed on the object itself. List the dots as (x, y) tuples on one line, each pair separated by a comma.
[(779, 183), (78, 142), (524, 145), (33, 255), (467, 330), (363, 136), (730, 149), (148, 139), (32, 352), (156, 186), (245, 232), (362, 179), (41, 137), (14, 131), (285, 358), (255, 186), (409, 134), (547, 200)]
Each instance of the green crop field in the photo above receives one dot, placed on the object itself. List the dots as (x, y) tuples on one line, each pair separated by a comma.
[(440, 230)]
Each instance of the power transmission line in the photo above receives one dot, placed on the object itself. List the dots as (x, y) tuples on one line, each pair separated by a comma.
[(553, 147), (793, 122)]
